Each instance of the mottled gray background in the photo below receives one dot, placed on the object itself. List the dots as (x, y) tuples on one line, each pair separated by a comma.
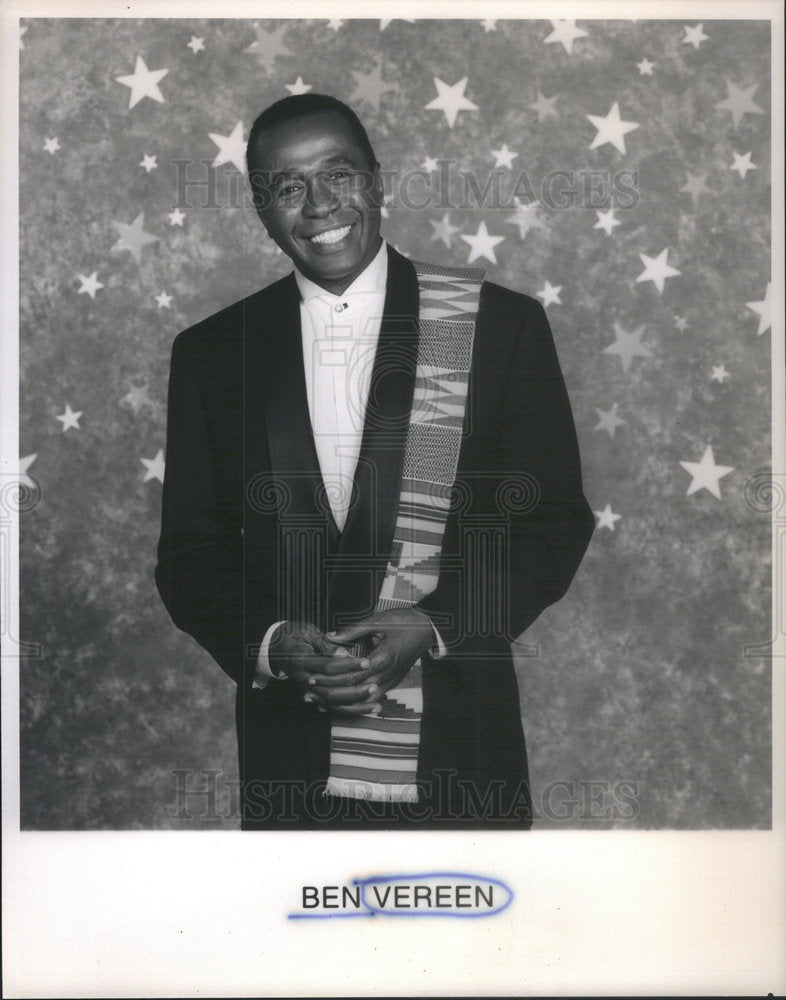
[(639, 674)]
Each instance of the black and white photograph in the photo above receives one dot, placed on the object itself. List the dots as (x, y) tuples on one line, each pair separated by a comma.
[(394, 446)]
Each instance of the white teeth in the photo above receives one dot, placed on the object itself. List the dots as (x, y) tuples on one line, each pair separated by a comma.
[(331, 236)]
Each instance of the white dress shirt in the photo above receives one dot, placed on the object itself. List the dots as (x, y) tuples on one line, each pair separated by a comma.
[(339, 336)]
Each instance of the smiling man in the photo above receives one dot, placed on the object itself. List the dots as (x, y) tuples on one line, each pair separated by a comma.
[(372, 487)]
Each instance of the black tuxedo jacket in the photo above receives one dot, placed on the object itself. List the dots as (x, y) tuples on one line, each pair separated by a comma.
[(248, 538)]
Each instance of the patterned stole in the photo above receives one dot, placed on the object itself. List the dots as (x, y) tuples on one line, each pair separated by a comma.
[(375, 756)]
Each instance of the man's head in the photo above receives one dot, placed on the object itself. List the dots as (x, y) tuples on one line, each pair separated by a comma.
[(317, 187)]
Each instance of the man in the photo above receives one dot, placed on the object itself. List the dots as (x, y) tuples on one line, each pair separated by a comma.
[(372, 487)]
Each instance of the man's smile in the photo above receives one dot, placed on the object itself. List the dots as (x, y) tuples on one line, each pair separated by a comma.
[(331, 235)]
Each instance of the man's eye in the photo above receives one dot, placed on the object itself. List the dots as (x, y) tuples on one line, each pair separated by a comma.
[(339, 175), (288, 190)]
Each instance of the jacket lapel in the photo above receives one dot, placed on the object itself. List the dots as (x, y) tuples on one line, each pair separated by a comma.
[(275, 400), (364, 546)]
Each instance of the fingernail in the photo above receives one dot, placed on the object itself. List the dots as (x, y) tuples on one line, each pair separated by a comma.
[(331, 633), (373, 689), (321, 709), (312, 680), (341, 651), (364, 664), (308, 697)]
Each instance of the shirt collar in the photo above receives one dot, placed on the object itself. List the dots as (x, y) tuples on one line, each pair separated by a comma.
[(372, 279)]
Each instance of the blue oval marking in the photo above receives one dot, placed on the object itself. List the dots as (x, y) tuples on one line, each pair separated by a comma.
[(470, 896), (375, 897)]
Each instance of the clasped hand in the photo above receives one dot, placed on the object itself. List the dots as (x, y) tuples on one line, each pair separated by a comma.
[(329, 676)]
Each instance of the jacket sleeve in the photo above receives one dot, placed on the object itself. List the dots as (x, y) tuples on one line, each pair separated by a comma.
[(200, 570), (537, 489)]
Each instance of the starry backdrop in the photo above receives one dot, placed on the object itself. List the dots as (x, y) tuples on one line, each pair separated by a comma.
[(618, 170)]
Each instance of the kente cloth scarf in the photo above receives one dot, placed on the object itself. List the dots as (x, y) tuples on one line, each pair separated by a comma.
[(375, 757)]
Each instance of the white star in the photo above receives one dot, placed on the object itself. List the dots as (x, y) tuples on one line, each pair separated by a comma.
[(69, 418), (628, 346), (430, 164), (681, 324), (155, 466), (269, 45), (705, 474), (719, 374), (176, 217), (335, 23), (695, 36), (763, 309), (565, 32), (695, 186), (606, 221), (443, 230), (231, 148), (504, 157), (545, 106), (608, 420), (451, 99), (164, 301), (740, 102), (143, 83), (525, 217), (371, 86), (482, 244), (196, 44), (298, 87), (645, 67), (24, 465), (90, 285), (550, 294), (52, 145), (657, 269), (607, 517), (133, 238), (611, 128), (137, 397), (149, 163), (385, 21), (489, 24), (742, 164)]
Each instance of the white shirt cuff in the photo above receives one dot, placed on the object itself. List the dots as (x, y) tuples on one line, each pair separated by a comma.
[(263, 673), (439, 649)]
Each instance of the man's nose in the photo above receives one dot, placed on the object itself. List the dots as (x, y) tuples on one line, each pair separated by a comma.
[(321, 199)]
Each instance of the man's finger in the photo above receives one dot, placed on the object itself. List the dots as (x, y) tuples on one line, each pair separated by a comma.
[(353, 632), (354, 678), (309, 663), (364, 708), (341, 695), (377, 661), (325, 646), (336, 666)]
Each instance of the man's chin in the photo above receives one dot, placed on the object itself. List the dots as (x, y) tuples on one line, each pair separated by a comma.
[(331, 267)]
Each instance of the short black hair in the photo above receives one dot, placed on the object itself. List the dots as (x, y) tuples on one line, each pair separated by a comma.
[(301, 106)]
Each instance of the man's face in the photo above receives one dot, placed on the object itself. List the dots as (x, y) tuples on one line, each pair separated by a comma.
[(322, 198)]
